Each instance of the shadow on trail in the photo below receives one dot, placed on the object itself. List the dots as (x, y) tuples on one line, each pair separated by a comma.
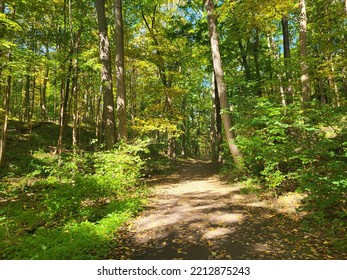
[(187, 170), (200, 217)]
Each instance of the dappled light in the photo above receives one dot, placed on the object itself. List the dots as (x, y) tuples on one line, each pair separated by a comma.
[(196, 215)]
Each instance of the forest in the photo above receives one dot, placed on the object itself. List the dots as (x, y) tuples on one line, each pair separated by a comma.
[(102, 101)]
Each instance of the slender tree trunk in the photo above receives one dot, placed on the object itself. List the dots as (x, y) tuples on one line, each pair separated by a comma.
[(64, 100), (133, 98), (75, 96), (243, 51), (32, 111), (288, 92), (216, 124), (256, 62), (106, 75), (333, 82), (26, 103), (43, 99), (213, 133), (120, 73), (217, 65), (5, 91), (305, 78), (75, 107), (4, 118)]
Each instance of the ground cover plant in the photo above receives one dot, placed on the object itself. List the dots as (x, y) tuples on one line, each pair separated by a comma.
[(70, 207)]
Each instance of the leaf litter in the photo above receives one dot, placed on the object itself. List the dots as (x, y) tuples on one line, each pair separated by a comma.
[(194, 214)]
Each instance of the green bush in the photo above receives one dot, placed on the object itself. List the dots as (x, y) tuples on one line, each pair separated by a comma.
[(75, 206), (288, 148)]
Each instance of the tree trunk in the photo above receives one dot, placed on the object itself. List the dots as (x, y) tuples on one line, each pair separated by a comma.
[(26, 103), (106, 75), (243, 51), (75, 95), (133, 99), (75, 107), (217, 66), (43, 98), (120, 76), (305, 78), (64, 99), (4, 118), (255, 50), (288, 92), (216, 124), (5, 90)]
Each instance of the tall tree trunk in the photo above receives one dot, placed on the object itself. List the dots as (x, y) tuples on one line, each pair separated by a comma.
[(288, 92), (64, 99), (4, 119), (43, 98), (75, 107), (133, 99), (5, 91), (243, 51), (255, 50), (32, 111), (216, 124), (26, 101), (120, 73), (75, 94), (106, 75), (217, 66), (305, 78)]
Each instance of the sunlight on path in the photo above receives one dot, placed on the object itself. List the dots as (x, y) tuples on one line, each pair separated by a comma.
[(193, 214)]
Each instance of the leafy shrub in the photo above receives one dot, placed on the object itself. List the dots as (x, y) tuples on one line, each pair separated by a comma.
[(76, 204), (289, 149)]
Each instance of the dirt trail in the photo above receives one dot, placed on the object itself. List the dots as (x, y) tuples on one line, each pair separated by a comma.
[(193, 214)]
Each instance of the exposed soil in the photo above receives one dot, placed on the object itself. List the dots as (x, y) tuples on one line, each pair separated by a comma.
[(193, 214)]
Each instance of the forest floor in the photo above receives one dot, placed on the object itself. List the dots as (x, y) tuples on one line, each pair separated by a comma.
[(195, 214)]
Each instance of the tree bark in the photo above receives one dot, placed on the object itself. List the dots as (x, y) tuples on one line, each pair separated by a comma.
[(5, 90), (43, 98), (305, 78), (133, 98), (216, 124), (106, 75), (243, 51), (255, 50), (120, 73), (288, 92), (26, 100), (64, 100), (4, 118), (218, 70)]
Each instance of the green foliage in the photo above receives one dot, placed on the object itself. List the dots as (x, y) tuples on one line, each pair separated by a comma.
[(288, 149), (72, 207)]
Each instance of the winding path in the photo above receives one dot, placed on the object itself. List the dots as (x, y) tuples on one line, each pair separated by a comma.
[(193, 214)]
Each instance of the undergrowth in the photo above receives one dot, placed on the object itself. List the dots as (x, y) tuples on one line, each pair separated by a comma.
[(288, 149), (70, 207)]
